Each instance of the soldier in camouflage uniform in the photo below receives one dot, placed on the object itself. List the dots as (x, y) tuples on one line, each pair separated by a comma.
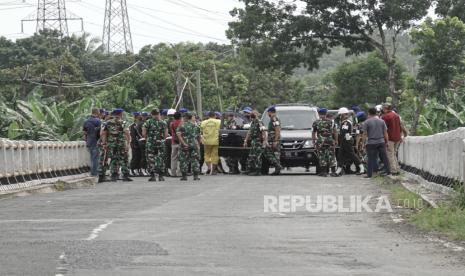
[(155, 132), (325, 138), (256, 135), (116, 141), (273, 147), (189, 139)]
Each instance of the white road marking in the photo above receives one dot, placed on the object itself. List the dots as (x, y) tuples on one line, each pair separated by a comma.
[(97, 230), (62, 267)]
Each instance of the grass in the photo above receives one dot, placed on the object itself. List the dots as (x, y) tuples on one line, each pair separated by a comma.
[(60, 186), (448, 219), (405, 198), (445, 219), (400, 196)]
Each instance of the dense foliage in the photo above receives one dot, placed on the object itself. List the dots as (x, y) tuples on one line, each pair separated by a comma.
[(327, 53), (31, 111)]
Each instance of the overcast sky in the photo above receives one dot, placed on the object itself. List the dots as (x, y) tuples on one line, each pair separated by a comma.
[(151, 21)]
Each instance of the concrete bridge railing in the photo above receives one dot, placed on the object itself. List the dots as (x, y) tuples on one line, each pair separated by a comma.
[(438, 158), (29, 163)]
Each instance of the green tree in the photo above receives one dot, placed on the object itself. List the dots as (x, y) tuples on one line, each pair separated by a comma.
[(452, 8), (279, 36), (363, 81), (441, 47)]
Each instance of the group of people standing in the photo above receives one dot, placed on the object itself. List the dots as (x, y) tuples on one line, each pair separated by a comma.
[(360, 139), (374, 139), (110, 139)]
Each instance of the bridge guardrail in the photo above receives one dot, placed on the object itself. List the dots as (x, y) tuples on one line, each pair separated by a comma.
[(28, 163), (439, 158)]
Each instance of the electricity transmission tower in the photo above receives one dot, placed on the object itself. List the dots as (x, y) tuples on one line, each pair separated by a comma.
[(116, 31), (52, 15)]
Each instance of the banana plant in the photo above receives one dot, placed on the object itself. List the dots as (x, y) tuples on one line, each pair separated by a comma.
[(36, 119)]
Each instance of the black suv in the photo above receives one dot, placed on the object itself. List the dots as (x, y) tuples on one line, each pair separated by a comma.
[(297, 149)]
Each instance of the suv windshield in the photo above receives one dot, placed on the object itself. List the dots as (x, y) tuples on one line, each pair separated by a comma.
[(294, 119)]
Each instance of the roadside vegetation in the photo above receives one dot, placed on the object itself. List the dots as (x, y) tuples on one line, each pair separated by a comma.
[(447, 219)]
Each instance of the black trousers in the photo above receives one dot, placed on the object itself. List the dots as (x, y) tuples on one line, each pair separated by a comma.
[(347, 154), (136, 160), (373, 151)]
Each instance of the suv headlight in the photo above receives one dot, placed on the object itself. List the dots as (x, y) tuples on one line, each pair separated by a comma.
[(308, 144)]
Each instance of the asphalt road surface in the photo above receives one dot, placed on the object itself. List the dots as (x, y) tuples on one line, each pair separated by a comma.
[(216, 226)]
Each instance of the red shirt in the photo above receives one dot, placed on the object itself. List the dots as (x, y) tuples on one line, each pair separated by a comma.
[(392, 121), (173, 127)]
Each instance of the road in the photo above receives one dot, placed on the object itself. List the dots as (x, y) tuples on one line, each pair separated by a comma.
[(216, 226)]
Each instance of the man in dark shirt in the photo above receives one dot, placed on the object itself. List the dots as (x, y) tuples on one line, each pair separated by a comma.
[(375, 133), (91, 135), (136, 135)]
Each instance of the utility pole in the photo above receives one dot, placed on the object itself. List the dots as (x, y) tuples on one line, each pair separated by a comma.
[(199, 94), (179, 78), (52, 15), (116, 30), (220, 100)]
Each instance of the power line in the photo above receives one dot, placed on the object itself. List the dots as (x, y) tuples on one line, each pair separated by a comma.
[(186, 4), (179, 26), (85, 84), (183, 30), (202, 17)]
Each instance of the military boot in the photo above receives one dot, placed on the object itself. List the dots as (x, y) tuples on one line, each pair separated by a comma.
[(196, 177), (126, 178), (152, 178), (160, 177), (184, 177), (336, 173), (114, 177), (277, 171), (101, 179)]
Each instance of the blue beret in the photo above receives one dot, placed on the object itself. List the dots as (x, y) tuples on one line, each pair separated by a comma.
[(145, 114), (356, 108), (360, 114), (271, 109), (164, 111), (183, 110), (102, 110), (247, 110), (322, 110), (117, 111), (218, 114), (136, 114)]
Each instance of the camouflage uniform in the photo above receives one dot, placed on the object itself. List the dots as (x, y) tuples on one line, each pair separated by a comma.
[(254, 161), (155, 145), (189, 156), (116, 143), (103, 159), (273, 155), (325, 142)]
